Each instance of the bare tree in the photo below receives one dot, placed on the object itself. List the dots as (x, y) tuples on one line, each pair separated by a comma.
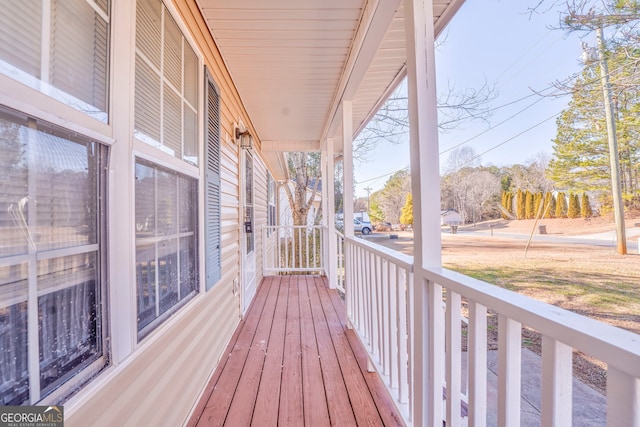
[(484, 190), (305, 171), (455, 107), (460, 158), (532, 175), (456, 185)]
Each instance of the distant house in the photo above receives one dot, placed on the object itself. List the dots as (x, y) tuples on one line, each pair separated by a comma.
[(361, 216), (450, 217)]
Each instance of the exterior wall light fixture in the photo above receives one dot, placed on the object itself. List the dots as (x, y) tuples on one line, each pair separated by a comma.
[(244, 138)]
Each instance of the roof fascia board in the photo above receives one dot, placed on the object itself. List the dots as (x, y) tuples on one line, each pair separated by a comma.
[(446, 16), (440, 25), (374, 24)]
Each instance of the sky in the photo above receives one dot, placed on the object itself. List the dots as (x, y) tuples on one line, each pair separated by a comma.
[(501, 43)]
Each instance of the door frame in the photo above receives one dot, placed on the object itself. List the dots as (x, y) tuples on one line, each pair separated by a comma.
[(248, 261)]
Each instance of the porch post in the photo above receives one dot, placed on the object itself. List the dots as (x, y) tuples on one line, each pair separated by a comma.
[(347, 167), (331, 244), (425, 187), (323, 203), (347, 204)]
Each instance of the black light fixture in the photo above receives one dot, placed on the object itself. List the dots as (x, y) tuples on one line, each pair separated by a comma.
[(244, 138)]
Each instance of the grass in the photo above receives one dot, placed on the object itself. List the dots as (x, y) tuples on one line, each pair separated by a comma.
[(586, 288)]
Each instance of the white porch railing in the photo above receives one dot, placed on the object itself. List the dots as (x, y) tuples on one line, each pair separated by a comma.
[(292, 248), (339, 260), (378, 281), (379, 296)]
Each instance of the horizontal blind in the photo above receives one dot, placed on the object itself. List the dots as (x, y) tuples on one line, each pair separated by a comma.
[(166, 111), (20, 35), (79, 52)]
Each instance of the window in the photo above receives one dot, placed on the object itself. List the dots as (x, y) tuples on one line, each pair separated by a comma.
[(52, 311), (166, 117), (166, 94), (60, 48), (271, 202), (166, 243), (248, 203)]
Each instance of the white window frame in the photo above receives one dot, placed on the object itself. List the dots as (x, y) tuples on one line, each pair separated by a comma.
[(142, 149), (37, 99), (141, 137), (42, 85), (163, 317), (85, 372)]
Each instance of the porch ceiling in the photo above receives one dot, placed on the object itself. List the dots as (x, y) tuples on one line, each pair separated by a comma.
[(293, 61)]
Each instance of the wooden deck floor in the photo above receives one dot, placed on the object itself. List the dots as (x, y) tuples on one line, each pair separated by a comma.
[(293, 362)]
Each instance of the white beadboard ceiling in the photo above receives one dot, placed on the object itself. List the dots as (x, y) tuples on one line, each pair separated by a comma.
[(293, 61)]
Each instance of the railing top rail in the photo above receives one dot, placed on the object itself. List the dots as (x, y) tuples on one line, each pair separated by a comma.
[(292, 226), (400, 259), (610, 344)]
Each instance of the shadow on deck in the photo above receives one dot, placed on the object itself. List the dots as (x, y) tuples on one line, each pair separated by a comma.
[(293, 361)]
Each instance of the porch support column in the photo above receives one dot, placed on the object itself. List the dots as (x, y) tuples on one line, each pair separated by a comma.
[(347, 205), (331, 245), (425, 186), (323, 209), (347, 167)]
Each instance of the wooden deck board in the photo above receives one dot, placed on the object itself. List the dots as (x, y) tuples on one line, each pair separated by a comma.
[(291, 412), (241, 408), (364, 407), (316, 411), (202, 404), (340, 409), (386, 409), (294, 362), (269, 391), (216, 409)]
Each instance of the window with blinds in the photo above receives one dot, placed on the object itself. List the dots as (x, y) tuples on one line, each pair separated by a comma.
[(166, 92), (60, 47), (52, 292), (166, 243)]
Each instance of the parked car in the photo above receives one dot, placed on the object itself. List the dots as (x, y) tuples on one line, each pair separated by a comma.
[(363, 227)]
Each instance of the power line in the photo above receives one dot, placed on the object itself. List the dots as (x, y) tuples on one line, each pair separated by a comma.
[(490, 128), (525, 53), (476, 157), (562, 82), (511, 139), (383, 176), (538, 93)]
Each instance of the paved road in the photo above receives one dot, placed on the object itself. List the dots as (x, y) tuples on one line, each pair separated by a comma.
[(607, 239)]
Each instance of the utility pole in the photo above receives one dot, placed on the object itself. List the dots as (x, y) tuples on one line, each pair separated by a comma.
[(591, 21), (616, 192), (368, 190)]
